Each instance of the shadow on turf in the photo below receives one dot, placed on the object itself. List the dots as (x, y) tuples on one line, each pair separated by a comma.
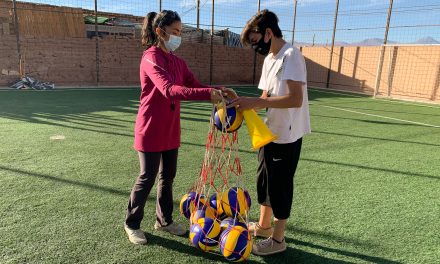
[(84, 185), (52, 121), (297, 256), (77, 110), (291, 255), (67, 181), (329, 236), (370, 259), (396, 122), (184, 248), (73, 109), (373, 168), (376, 138)]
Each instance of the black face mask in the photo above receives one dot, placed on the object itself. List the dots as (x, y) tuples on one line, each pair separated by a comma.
[(262, 47)]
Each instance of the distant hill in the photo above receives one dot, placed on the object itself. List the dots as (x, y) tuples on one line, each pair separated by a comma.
[(306, 44), (302, 44), (427, 40), (342, 43), (372, 42)]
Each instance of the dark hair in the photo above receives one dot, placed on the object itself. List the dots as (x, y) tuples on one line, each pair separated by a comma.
[(259, 23), (154, 20)]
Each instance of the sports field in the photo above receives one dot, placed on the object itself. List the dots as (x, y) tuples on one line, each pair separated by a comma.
[(366, 189)]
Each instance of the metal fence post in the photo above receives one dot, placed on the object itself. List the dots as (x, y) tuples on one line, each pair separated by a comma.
[(160, 5), (97, 42), (294, 23), (17, 35), (333, 44), (198, 14), (382, 52), (212, 44)]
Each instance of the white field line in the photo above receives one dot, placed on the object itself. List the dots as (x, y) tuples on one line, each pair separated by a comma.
[(410, 103), (381, 99), (380, 116)]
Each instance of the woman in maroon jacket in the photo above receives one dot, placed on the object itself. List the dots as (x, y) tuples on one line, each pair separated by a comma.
[(165, 80)]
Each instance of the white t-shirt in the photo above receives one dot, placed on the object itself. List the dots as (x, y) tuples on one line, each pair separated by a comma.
[(289, 124)]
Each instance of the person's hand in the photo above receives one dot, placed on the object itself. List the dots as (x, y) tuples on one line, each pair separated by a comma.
[(244, 103), (216, 96), (229, 93)]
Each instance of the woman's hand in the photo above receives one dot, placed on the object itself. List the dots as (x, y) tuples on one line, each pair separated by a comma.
[(216, 96), (229, 93)]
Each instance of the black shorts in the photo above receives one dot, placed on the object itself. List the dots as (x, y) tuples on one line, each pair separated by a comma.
[(276, 169)]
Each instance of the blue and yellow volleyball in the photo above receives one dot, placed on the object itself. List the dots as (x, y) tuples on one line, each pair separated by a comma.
[(248, 198), (190, 202), (204, 211), (235, 243), (215, 201), (234, 202), (230, 222), (185, 204), (204, 233), (228, 120), (200, 201)]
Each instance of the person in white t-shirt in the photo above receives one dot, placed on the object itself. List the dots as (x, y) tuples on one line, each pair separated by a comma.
[(284, 96)]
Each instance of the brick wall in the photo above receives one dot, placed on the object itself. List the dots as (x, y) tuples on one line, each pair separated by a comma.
[(72, 61), (9, 68), (62, 61)]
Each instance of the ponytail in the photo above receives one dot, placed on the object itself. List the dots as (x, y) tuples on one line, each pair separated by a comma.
[(154, 20), (149, 37)]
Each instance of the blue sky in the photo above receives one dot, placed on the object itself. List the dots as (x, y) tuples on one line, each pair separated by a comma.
[(357, 20)]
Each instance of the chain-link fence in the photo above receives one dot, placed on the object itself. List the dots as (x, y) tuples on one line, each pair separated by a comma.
[(385, 48)]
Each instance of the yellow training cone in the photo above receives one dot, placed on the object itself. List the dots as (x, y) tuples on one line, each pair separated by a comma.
[(259, 133)]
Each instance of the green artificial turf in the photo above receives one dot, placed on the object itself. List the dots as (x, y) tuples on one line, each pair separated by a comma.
[(366, 188)]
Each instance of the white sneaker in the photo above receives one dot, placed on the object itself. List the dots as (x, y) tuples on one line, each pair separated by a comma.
[(268, 246), (173, 228), (136, 236)]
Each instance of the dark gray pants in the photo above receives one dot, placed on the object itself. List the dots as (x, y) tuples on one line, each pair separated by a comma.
[(163, 164)]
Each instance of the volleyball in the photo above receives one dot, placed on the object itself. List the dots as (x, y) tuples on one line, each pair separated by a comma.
[(190, 202), (215, 201), (229, 222), (205, 211), (234, 202), (248, 198), (235, 243), (229, 120), (204, 233)]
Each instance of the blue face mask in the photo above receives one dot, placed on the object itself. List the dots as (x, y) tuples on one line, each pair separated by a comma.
[(173, 42)]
